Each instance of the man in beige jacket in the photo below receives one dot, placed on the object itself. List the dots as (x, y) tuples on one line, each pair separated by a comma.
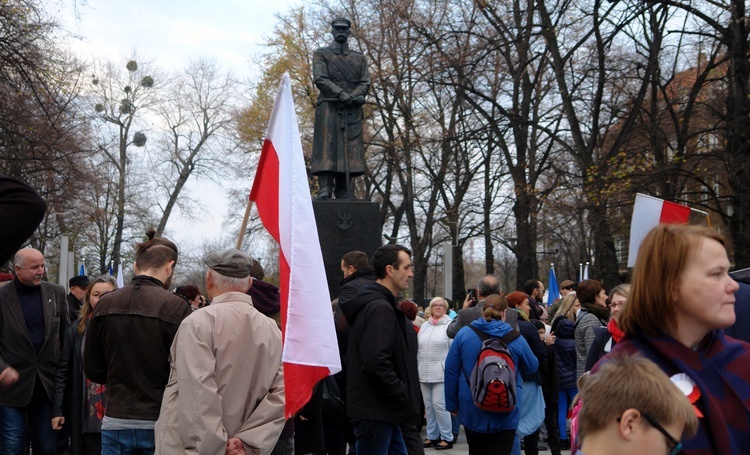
[(226, 387)]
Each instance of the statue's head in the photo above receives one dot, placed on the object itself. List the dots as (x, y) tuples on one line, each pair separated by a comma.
[(340, 29)]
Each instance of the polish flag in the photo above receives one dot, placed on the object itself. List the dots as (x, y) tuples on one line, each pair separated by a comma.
[(282, 196), (648, 212)]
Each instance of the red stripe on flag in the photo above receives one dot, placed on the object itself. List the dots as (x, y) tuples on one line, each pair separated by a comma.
[(265, 192), (672, 213), (299, 380)]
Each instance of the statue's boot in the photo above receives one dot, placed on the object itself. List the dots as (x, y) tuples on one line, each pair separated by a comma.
[(325, 182), (341, 191)]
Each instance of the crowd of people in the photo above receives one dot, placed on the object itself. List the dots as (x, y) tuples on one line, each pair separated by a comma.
[(644, 368)]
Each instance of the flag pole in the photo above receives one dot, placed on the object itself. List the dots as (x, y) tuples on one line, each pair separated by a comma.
[(244, 224)]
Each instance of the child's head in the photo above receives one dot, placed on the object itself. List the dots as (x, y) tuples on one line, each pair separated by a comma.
[(631, 400)]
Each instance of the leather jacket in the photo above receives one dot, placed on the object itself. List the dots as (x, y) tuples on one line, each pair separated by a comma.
[(127, 346)]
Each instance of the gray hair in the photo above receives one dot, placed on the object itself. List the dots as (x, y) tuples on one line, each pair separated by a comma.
[(228, 283)]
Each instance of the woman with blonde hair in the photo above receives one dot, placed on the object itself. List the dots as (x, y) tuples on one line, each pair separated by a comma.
[(78, 402), (681, 300), (432, 350), (564, 327), (605, 338), (488, 433)]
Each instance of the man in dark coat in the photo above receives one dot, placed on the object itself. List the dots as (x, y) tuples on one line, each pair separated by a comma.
[(472, 309), (383, 394), (338, 146), (78, 285), (33, 321)]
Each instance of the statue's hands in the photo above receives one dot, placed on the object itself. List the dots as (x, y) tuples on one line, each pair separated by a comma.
[(359, 100), (345, 98)]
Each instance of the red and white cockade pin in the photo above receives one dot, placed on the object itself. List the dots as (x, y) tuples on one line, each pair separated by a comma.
[(689, 388)]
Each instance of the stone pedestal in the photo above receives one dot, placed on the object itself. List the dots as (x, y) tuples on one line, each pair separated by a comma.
[(345, 226)]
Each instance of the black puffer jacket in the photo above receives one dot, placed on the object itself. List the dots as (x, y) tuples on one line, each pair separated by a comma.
[(565, 351), (383, 382)]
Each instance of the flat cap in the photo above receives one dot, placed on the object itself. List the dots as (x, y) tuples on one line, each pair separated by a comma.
[(341, 22), (566, 284), (230, 262), (82, 281)]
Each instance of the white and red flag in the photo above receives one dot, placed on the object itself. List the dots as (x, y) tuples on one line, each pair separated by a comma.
[(282, 195), (649, 212)]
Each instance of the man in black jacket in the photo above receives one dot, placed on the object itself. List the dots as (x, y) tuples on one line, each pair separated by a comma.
[(127, 348), (383, 395)]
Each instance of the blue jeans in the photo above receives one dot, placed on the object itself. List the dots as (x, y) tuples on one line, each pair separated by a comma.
[(564, 400), (377, 438), (128, 442), (13, 426)]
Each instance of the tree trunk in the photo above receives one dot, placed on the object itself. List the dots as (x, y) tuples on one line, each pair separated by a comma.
[(738, 133), (605, 267), (526, 233)]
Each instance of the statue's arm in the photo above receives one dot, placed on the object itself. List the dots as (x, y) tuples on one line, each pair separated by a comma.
[(364, 80), (327, 88)]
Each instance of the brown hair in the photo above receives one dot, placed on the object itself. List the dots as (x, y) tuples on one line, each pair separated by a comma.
[(516, 298), (632, 382), (588, 290), (409, 309), (155, 252), (662, 258), (356, 259), (493, 307), (86, 309)]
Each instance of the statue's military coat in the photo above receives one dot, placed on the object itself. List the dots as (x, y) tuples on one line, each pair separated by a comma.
[(336, 68)]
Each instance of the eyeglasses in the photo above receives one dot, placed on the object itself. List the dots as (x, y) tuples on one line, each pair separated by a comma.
[(615, 305), (675, 445)]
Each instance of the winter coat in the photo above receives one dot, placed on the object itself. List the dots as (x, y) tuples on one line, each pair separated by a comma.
[(382, 376), (226, 381), (433, 349), (127, 346), (585, 326), (459, 364), (565, 351)]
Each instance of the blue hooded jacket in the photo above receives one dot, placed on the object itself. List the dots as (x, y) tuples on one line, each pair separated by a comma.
[(462, 356)]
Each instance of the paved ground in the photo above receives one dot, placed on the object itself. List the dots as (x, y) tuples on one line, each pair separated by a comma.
[(462, 448)]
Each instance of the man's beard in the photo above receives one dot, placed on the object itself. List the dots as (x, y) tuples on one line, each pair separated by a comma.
[(168, 283)]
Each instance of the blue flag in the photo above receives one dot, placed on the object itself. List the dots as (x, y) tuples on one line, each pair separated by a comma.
[(553, 289)]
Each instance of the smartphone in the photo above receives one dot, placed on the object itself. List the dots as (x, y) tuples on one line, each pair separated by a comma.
[(472, 294)]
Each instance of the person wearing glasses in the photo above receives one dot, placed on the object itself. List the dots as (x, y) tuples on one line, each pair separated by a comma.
[(605, 338), (681, 301), (630, 407)]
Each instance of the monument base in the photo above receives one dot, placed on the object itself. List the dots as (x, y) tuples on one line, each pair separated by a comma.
[(345, 226)]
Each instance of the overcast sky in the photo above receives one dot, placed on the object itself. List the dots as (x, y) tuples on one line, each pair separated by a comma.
[(171, 33)]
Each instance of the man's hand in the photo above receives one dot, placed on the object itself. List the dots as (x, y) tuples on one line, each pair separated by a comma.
[(58, 422), (467, 301), (235, 447), (8, 376), (345, 97)]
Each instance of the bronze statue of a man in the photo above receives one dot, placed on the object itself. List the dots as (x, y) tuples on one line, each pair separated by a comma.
[(338, 152)]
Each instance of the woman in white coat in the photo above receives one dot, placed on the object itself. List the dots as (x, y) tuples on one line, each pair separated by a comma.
[(434, 345)]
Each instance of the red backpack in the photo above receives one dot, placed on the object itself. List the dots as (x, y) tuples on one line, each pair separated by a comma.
[(493, 378)]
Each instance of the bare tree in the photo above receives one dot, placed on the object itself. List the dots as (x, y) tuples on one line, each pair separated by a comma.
[(195, 137), (120, 98)]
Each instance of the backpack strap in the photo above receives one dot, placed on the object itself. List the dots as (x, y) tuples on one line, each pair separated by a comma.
[(507, 339)]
